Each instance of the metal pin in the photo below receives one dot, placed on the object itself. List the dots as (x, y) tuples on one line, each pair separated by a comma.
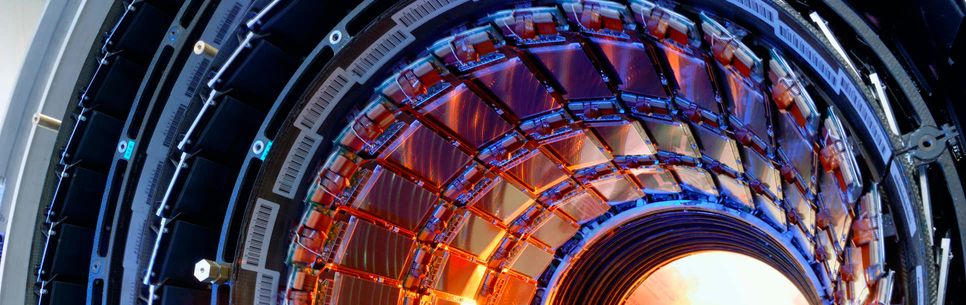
[(46, 121), (212, 272), (202, 47)]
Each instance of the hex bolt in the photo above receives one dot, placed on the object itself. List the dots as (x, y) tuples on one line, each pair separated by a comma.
[(212, 272)]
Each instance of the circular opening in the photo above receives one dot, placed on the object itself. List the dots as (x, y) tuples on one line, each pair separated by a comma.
[(335, 37), (716, 277), (258, 147), (926, 143)]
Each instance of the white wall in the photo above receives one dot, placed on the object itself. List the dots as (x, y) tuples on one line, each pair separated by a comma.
[(18, 23)]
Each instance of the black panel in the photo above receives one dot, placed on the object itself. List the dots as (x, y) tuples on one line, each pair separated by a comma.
[(116, 93), (143, 35), (188, 244), (230, 131), (97, 145), (261, 75), (204, 195), (169, 7), (72, 254), (83, 198), (174, 295), (298, 27), (63, 293)]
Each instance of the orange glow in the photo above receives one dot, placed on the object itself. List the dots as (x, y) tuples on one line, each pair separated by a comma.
[(716, 278)]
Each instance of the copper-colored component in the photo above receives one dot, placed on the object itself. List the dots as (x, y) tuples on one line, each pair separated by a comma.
[(317, 219), (697, 179), (529, 24), (395, 199), (467, 116), (517, 88), (503, 201), (634, 66), (583, 207), (531, 260), (727, 49), (693, 80), (374, 249), (354, 290), (477, 236), (663, 23), (547, 126), (428, 155), (626, 139), (470, 47), (415, 82), (459, 275), (736, 190), (617, 189), (802, 207), (673, 137), (307, 247), (504, 150), (656, 180), (578, 150), (606, 110), (574, 71), (555, 230), (367, 126), (538, 172), (513, 290)]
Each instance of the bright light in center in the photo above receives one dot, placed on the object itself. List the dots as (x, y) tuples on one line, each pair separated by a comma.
[(717, 278)]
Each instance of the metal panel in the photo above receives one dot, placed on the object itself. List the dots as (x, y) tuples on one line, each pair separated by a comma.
[(626, 139), (673, 137), (504, 201), (395, 199), (617, 189), (428, 155), (477, 236), (350, 290), (656, 180), (466, 115), (538, 172), (556, 230), (460, 276), (375, 250), (531, 260), (579, 151), (574, 71), (694, 83), (583, 207), (517, 88), (634, 66)]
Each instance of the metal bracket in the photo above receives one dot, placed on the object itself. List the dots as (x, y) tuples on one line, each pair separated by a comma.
[(927, 143)]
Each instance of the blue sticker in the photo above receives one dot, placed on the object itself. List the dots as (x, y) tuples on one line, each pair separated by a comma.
[(129, 150), (265, 151)]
